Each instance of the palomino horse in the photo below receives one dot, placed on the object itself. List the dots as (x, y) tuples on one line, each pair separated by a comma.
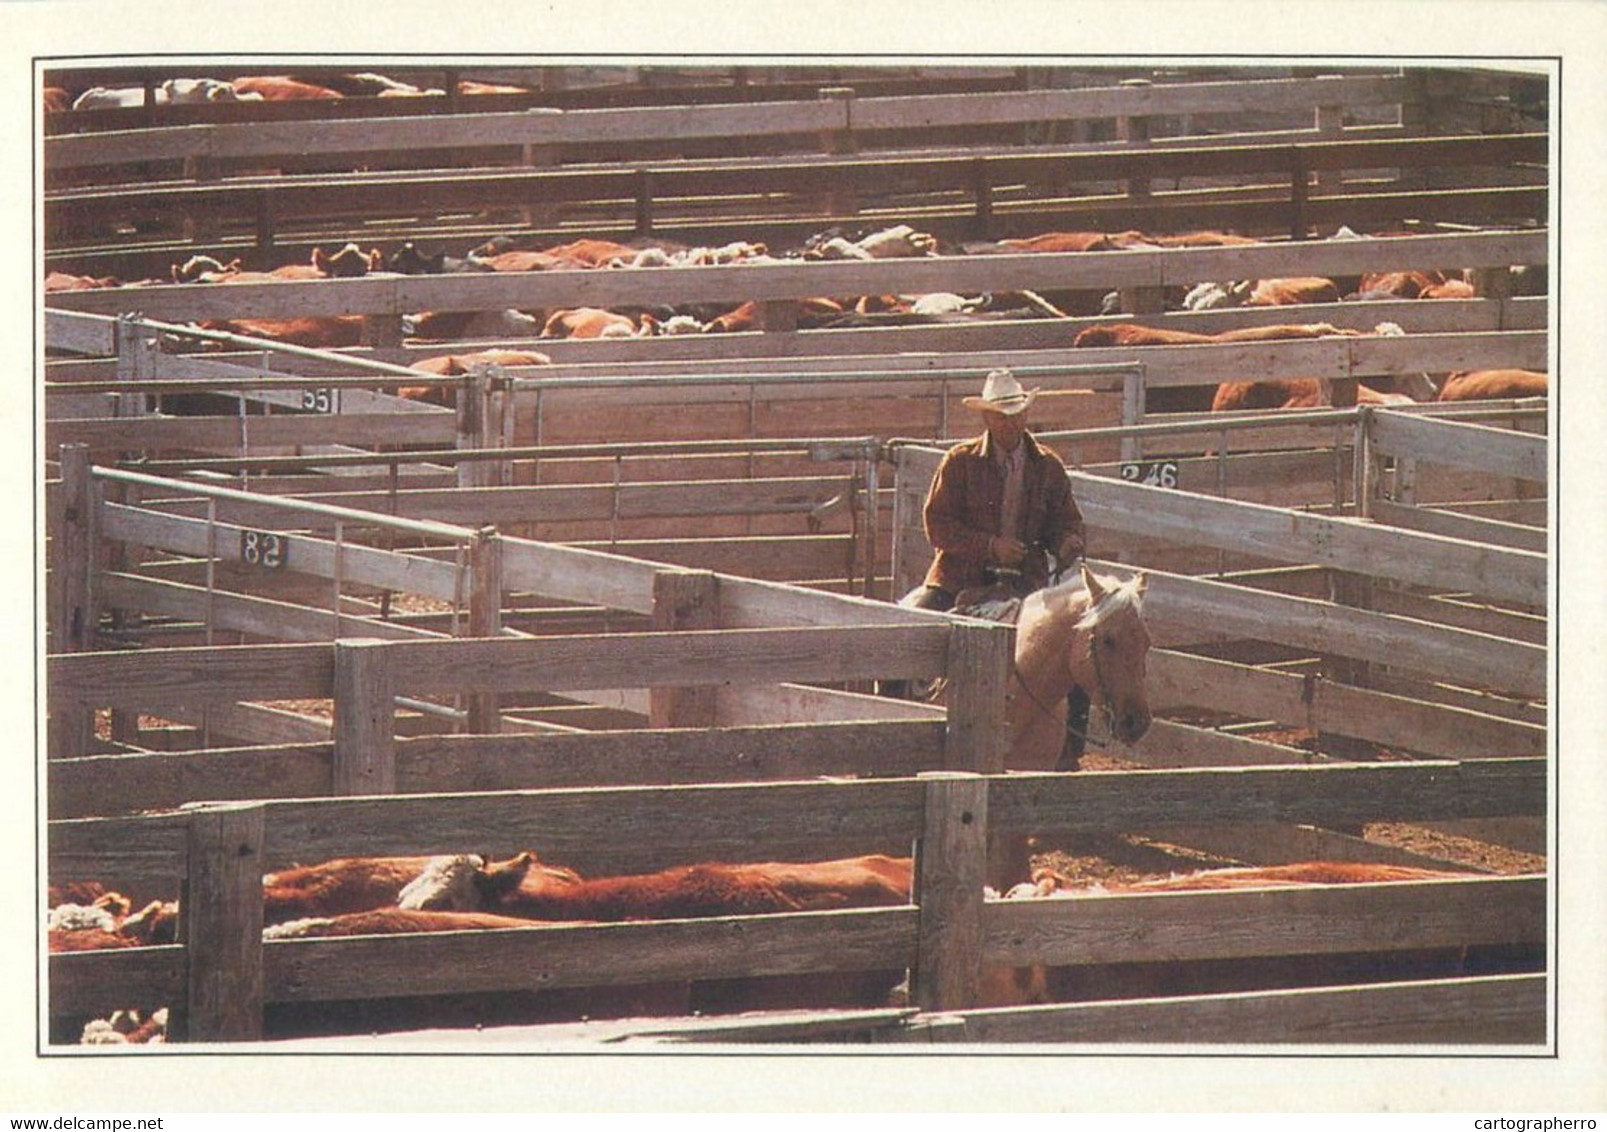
[(1085, 634)]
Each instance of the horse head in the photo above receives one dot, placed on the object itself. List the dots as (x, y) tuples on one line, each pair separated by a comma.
[(1117, 650)]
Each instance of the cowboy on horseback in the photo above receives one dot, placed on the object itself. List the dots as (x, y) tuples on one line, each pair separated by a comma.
[(998, 508), (999, 505)]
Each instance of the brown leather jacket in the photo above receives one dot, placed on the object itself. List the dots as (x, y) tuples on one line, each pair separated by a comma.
[(966, 501)]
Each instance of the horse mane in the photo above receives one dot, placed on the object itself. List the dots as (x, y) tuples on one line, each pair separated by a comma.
[(1119, 595)]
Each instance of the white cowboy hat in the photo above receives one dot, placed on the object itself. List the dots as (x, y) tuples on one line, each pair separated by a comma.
[(1003, 394)]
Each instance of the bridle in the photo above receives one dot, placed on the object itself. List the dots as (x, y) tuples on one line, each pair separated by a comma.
[(1100, 686)]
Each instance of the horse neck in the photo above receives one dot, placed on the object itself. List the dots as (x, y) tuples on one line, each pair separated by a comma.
[(1053, 657)]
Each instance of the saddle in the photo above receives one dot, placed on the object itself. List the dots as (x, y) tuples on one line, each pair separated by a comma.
[(999, 599)]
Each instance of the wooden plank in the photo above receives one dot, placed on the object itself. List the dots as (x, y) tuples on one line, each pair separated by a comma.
[(544, 126), (891, 748), (222, 926), (1179, 680), (259, 617), (570, 502), (305, 553), (1526, 835), (251, 724), (1345, 544), (802, 703), (81, 333), (193, 675), (1499, 1010), (651, 827), (129, 783), (1496, 451), (95, 983), (697, 657), (372, 195), (1266, 843), (778, 558), (752, 603), (1171, 745), (544, 957), (1468, 528), (1464, 613), (228, 435), (950, 862), (1335, 358), (1299, 920), (1330, 796), (1475, 657)]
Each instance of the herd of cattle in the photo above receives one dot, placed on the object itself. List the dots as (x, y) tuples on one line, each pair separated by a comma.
[(511, 254), (394, 895)]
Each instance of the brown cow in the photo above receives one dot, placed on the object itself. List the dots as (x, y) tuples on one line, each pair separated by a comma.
[(591, 253), (456, 365), (58, 281), (1290, 292), (329, 332), (1077, 242), (591, 322), (1203, 240), (338, 887), (811, 313), (1202, 398), (107, 924), (1290, 393), (282, 88), (520, 261), (1494, 384), (1399, 284), (1450, 289), (526, 887)]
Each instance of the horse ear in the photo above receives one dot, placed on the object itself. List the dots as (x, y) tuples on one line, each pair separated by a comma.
[(1096, 592), (1140, 580)]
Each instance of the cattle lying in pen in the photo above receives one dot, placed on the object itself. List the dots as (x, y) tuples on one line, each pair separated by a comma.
[(1494, 384), (413, 895), (1287, 393)]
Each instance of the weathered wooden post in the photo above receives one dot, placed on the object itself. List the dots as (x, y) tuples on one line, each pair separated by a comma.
[(365, 718), (1330, 127), (978, 672), (982, 193), (1134, 129), (950, 867), (839, 141), (485, 620), (221, 909), (72, 613), (684, 599), (472, 409)]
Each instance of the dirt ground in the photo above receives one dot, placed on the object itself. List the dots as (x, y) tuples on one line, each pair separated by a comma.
[(1124, 858)]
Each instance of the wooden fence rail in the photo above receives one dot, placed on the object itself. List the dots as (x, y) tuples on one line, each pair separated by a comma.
[(668, 194), (947, 937), (542, 126)]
